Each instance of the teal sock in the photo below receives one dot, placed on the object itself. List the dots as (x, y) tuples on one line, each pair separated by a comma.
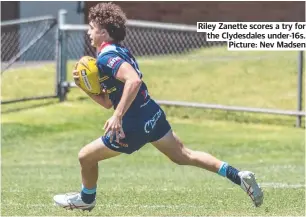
[(222, 169)]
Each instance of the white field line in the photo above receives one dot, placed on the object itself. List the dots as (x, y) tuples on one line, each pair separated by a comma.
[(280, 185), (267, 185), (116, 205)]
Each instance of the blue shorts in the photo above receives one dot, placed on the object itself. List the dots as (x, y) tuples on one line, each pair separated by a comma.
[(148, 126)]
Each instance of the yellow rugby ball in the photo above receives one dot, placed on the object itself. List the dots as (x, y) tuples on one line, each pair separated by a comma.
[(89, 74)]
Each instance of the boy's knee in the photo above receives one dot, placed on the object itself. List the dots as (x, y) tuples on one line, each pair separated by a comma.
[(178, 161), (82, 156), (85, 157)]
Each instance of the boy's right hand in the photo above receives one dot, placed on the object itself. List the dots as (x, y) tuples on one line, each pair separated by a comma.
[(76, 77)]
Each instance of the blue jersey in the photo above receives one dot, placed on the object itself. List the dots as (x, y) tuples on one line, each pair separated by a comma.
[(144, 121), (109, 60)]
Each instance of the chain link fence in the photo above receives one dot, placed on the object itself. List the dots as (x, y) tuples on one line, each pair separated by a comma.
[(28, 51), (78, 44), (152, 41), (143, 41)]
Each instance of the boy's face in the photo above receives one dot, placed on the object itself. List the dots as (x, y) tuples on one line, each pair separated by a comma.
[(96, 34)]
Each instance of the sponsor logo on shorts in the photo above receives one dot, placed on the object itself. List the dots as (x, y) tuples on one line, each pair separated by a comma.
[(150, 124), (115, 146), (123, 144)]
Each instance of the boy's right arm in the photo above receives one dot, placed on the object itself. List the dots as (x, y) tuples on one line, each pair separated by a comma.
[(101, 99)]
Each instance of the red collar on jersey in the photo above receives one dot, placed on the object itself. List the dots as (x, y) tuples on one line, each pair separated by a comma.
[(103, 45)]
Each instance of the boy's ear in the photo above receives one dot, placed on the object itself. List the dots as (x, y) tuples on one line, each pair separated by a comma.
[(103, 32)]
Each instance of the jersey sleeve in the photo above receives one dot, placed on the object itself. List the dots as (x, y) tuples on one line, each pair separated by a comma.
[(110, 63)]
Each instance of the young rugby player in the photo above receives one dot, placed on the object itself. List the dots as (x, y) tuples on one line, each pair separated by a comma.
[(137, 118)]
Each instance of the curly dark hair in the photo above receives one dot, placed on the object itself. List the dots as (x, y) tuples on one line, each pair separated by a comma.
[(110, 17)]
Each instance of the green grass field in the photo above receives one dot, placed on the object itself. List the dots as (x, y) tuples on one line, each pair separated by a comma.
[(41, 140)]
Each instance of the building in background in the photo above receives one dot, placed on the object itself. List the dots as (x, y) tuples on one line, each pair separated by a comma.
[(11, 10)]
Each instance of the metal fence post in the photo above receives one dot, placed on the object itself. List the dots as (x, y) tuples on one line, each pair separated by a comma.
[(61, 57), (58, 57), (300, 87)]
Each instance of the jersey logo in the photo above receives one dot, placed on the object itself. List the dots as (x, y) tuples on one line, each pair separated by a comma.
[(111, 63), (104, 78), (111, 90), (144, 93)]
